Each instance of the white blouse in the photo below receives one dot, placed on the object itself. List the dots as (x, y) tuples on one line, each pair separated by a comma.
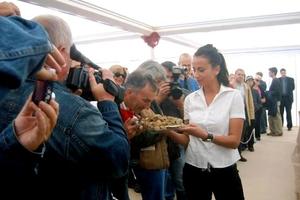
[(227, 104)]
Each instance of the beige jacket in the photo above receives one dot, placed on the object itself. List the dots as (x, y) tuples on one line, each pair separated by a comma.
[(249, 103)]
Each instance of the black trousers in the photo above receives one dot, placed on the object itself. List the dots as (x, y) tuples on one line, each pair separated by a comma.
[(224, 183), (258, 115), (286, 103)]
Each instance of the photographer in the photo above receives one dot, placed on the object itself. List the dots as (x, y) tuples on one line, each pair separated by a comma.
[(172, 107), (22, 138), (88, 146), (187, 81)]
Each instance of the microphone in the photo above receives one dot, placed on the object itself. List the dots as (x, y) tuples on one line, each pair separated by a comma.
[(78, 56)]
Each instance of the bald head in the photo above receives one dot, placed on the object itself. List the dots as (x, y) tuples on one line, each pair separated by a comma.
[(60, 36), (58, 30), (185, 60)]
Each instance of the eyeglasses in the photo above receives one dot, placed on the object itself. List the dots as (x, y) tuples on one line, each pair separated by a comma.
[(117, 74)]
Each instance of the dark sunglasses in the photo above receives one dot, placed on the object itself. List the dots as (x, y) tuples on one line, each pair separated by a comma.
[(117, 74)]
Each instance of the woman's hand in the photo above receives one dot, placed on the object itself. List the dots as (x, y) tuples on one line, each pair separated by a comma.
[(194, 130)]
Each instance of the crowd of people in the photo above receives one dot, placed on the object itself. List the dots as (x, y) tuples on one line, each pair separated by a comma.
[(71, 149)]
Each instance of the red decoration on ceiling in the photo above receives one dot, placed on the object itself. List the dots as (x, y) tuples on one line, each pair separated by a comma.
[(152, 39)]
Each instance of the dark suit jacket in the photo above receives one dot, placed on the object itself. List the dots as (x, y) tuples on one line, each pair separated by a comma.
[(290, 86), (273, 96), (263, 85)]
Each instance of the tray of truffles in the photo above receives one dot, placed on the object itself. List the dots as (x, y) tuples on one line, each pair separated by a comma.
[(159, 122)]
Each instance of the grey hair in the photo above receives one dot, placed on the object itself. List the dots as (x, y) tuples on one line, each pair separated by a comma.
[(184, 55), (58, 30), (154, 69), (137, 81)]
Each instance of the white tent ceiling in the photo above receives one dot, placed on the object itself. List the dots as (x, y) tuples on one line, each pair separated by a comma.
[(112, 27)]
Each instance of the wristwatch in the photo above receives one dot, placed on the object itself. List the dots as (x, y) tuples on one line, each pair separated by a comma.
[(210, 138)]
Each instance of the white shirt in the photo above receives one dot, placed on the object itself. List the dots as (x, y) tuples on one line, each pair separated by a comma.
[(227, 104)]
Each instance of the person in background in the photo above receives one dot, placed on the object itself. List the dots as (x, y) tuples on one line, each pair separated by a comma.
[(273, 101), (215, 115), (171, 106), (257, 107), (287, 99), (263, 119), (187, 81), (246, 93), (119, 73), (258, 113)]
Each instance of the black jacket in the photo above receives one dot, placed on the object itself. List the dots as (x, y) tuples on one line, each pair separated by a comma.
[(290, 86)]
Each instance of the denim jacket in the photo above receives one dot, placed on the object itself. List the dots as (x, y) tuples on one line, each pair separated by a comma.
[(86, 149), (23, 47)]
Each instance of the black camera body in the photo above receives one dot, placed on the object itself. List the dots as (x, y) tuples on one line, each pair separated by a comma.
[(176, 91), (42, 91), (78, 78)]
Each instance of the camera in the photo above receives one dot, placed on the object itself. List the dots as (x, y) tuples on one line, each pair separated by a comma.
[(42, 91), (78, 78), (176, 90)]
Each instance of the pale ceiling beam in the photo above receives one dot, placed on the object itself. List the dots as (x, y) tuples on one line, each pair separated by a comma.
[(94, 13), (114, 36), (110, 18), (235, 23)]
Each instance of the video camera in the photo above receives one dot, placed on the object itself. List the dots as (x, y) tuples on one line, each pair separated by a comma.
[(176, 91), (78, 78)]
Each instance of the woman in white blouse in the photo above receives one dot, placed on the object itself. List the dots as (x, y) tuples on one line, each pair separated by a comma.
[(215, 114)]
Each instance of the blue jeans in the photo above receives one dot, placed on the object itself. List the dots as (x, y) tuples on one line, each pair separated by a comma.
[(152, 183), (174, 181)]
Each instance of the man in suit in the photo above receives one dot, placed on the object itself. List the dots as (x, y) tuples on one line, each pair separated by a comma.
[(273, 100), (288, 86)]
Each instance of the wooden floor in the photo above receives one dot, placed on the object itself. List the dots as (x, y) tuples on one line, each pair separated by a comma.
[(268, 174)]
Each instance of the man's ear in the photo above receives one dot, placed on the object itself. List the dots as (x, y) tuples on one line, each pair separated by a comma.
[(63, 51)]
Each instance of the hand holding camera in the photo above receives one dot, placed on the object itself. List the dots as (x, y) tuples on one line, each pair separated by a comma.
[(164, 92), (89, 81), (34, 124), (97, 88)]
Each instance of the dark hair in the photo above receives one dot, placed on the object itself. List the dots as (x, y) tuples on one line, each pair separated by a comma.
[(282, 70), (216, 59), (259, 73), (273, 69), (168, 65), (137, 81)]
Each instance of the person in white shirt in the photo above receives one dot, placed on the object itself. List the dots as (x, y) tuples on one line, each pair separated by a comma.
[(215, 114)]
